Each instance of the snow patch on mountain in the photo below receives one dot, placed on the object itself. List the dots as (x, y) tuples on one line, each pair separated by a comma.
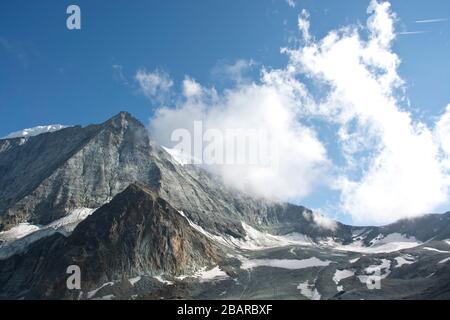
[(162, 280), (254, 239), (380, 271), (342, 274), (354, 260), (404, 260), (179, 157), (291, 264), (92, 293), (134, 280), (258, 240), (21, 236), (18, 232), (444, 260), (30, 132), (385, 265), (213, 274), (204, 275), (360, 233), (435, 250), (391, 243)]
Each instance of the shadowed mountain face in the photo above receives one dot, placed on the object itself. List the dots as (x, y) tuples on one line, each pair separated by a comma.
[(140, 225)]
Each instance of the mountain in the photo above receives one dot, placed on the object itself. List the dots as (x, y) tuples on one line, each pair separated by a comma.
[(141, 225), (76, 167)]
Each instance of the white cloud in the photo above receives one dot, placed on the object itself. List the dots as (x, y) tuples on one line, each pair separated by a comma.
[(236, 72), (191, 88), (267, 107), (402, 176), (381, 23), (394, 166), (303, 25), (154, 85), (321, 220)]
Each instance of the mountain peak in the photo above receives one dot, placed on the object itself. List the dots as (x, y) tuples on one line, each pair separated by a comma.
[(139, 188), (124, 115), (122, 119)]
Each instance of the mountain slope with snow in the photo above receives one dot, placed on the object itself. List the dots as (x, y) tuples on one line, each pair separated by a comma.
[(30, 132)]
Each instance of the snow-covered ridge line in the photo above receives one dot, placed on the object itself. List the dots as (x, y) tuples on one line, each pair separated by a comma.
[(30, 132), (254, 239), (257, 240), (179, 157), (435, 250), (21, 236), (382, 244)]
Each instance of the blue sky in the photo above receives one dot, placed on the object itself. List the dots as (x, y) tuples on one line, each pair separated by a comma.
[(49, 74)]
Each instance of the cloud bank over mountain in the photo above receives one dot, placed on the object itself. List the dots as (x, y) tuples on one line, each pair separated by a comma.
[(389, 165)]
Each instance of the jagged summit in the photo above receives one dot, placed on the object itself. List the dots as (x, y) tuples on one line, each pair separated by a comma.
[(122, 119), (123, 115)]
